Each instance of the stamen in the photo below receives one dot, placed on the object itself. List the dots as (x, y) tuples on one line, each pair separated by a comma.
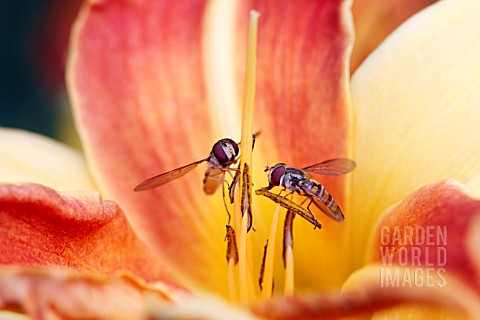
[(290, 205), (247, 291), (267, 279), (246, 206), (232, 259), (232, 252), (288, 253), (262, 267)]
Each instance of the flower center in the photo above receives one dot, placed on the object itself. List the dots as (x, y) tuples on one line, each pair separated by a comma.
[(239, 243)]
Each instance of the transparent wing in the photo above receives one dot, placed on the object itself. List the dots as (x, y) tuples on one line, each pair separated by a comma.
[(333, 167), (212, 179), (326, 204), (165, 177)]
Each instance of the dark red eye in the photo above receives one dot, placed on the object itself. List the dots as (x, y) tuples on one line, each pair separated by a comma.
[(276, 174), (219, 153)]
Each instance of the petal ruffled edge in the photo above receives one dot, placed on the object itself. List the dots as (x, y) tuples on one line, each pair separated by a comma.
[(54, 294), (453, 296), (435, 228), (75, 230), (362, 295)]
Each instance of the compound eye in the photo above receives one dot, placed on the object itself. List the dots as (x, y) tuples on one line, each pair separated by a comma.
[(276, 174), (235, 148), (219, 153)]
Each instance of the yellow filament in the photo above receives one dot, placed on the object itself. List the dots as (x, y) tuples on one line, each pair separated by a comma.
[(269, 257), (242, 262), (247, 291), (231, 281), (250, 83), (289, 271)]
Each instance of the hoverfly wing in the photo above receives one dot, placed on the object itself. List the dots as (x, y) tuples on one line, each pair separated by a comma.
[(332, 167), (166, 177), (324, 201), (212, 179)]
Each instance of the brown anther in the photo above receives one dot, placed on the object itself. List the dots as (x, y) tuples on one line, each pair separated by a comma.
[(232, 251)]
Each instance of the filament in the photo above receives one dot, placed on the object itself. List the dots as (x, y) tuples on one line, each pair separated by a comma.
[(242, 210), (267, 278), (288, 253)]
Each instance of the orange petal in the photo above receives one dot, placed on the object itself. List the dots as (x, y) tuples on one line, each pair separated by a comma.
[(303, 111), (376, 19), (362, 295), (425, 256), (136, 78), (137, 85), (40, 227), (431, 228), (302, 105), (60, 294)]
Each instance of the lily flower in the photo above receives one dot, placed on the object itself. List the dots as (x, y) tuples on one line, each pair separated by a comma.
[(154, 84)]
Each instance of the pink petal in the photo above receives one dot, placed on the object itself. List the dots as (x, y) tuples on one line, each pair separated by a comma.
[(40, 227), (302, 79), (433, 227), (67, 295), (136, 77), (303, 110)]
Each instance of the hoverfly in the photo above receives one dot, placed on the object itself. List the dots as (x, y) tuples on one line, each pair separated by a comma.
[(224, 153), (299, 181)]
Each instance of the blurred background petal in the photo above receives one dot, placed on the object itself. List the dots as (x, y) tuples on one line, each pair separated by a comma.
[(30, 157)]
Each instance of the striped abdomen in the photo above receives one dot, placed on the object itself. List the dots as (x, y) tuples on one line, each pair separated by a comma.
[(324, 200)]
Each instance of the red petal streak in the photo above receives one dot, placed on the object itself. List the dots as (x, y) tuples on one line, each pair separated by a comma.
[(432, 228), (40, 227), (135, 75), (302, 78), (303, 108), (302, 104), (66, 295)]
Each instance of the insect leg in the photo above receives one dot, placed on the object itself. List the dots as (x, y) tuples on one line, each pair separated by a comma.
[(225, 202), (231, 187), (308, 207)]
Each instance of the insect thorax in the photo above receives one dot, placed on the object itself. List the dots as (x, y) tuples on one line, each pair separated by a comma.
[(292, 177)]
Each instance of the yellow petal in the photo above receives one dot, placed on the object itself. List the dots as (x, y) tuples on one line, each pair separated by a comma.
[(376, 19), (416, 102), (29, 157)]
